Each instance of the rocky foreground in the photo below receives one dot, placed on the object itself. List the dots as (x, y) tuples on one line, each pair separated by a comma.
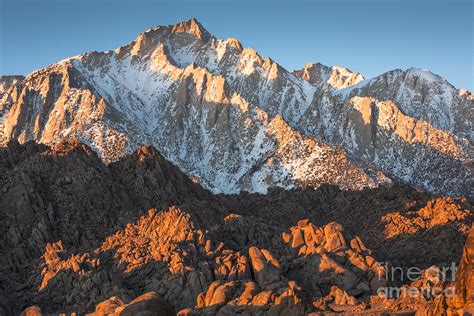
[(139, 236)]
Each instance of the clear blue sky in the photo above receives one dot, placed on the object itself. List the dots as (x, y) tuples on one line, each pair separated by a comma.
[(369, 36)]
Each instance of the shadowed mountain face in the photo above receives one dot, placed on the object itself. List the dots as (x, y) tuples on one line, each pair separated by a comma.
[(76, 232), (237, 121)]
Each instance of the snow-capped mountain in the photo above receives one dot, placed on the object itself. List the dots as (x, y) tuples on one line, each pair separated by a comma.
[(239, 121)]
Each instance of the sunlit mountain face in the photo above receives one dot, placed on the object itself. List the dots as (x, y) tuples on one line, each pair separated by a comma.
[(186, 174), (240, 122)]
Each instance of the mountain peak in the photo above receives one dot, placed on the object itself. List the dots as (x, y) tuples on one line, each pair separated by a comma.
[(193, 27), (335, 77), (171, 88), (424, 74)]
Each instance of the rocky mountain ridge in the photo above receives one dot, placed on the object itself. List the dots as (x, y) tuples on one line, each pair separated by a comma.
[(238, 121), (138, 234)]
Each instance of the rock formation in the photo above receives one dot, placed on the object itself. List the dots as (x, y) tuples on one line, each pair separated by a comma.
[(82, 236)]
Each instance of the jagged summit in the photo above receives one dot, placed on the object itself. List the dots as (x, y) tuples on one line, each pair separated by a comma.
[(215, 109), (334, 77), (193, 27)]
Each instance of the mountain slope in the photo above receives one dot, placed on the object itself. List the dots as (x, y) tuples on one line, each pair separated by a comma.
[(238, 121), (425, 96), (399, 121)]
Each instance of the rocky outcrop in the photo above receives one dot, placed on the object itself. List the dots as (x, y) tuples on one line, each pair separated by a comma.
[(237, 297), (147, 304), (81, 236), (436, 292), (237, 121), (464, 278), (203, 276), (347, 265), (463, 299), (247, 296)]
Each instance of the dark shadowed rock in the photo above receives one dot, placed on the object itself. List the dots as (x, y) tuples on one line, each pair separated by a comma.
[(81, 236)]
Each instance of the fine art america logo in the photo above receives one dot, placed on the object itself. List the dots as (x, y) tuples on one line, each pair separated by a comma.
[(429, 283)]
